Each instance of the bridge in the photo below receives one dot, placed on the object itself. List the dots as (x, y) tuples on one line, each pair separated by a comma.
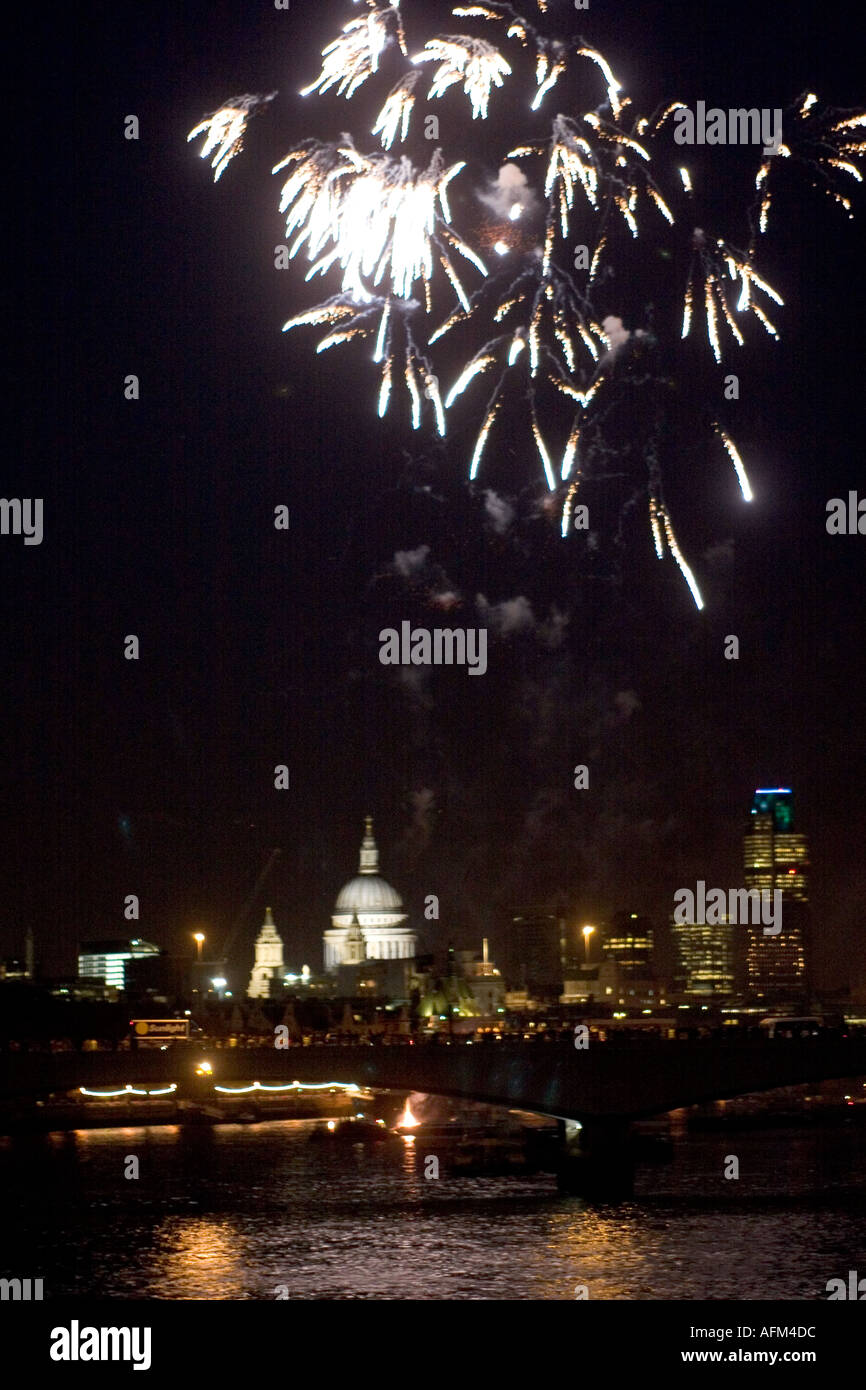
[(613, 1080), (603, 1087)]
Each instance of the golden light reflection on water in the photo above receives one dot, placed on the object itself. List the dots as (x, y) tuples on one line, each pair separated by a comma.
[(605, 1250), (409, 1162), (200, 1258), (99, 1138), (240, 1213)]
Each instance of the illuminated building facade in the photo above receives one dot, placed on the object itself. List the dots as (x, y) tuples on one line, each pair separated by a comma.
[(266, 980), (776, 857), (598, 982), (706, 955), (368, 921), (106, 960), (486, 982), (628, 940)]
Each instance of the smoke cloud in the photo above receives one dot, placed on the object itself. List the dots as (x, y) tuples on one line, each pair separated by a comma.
[(508, 190)]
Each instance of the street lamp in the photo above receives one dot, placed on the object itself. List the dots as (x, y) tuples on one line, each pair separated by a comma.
[(198, 938), (587, 933)]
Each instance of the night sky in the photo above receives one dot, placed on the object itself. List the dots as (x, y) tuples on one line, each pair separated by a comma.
[(260, 647)]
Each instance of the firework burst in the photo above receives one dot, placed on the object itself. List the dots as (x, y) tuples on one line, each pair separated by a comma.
[(352, 58), (828, 141), (519, 305), (478, 65), (224, 130), (717, 270)]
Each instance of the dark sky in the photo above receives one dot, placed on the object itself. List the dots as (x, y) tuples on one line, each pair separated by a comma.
[(260, 647)]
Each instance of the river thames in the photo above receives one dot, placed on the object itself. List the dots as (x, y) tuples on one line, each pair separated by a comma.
[(261, 1212)]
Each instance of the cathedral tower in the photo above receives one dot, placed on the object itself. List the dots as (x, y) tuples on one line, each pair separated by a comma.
[(266, 980)]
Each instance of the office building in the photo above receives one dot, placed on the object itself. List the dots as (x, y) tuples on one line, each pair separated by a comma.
[(106, 960), (706, 957), (533, 961), (776, 857), (628, 939)]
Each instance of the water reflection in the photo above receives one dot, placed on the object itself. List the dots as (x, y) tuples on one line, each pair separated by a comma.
[(197, 1258), (242, 1212)]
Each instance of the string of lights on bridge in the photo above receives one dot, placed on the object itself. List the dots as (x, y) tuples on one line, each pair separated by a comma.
[(129, 1090)]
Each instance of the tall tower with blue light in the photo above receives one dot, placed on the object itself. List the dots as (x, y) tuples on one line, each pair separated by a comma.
[(776, 857)]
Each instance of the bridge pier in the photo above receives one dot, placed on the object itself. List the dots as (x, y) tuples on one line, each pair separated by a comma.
[(596, 1160)]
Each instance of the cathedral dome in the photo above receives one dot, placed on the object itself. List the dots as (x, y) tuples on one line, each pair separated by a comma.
[(368, 891), (370, 909)]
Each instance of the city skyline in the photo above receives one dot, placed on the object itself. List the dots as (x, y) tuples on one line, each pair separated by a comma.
[(702, 954)]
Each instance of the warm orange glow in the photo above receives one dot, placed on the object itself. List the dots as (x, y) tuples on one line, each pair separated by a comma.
[(407, 1119)]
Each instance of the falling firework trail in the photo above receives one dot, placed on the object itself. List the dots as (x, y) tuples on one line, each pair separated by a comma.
[(382, 229), (224, 130)]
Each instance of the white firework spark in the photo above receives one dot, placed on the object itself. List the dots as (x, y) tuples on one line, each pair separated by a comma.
[(613, 87), (478, 65), (710, 262), (822, 138), (225, 129), (396, 112), (352, 58), (369, 214), (382, 228)]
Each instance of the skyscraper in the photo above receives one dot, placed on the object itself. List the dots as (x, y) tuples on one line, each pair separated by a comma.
[(706, 956), (776, 857), (533, 959), (628, 939)]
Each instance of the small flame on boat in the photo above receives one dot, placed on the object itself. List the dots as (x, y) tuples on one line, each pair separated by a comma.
[(407, 1119)]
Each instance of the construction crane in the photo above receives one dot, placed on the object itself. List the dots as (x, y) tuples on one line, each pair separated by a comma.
[(240, 919)]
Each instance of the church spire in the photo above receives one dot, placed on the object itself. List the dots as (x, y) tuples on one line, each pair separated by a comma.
[(369, 852)]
